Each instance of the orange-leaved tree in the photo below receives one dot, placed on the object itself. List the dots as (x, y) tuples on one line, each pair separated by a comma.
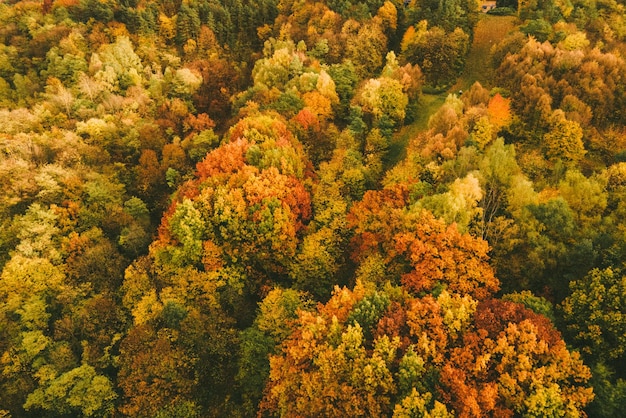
[(420, 251)]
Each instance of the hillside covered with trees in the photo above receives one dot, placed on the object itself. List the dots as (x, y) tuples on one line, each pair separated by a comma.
[(300, 208)]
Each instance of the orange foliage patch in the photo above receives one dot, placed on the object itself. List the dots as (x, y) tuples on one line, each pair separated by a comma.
[(499, 110), (423, 251), (65, 3), (307, 119), (441, 254), (228, 158), (198, 123)]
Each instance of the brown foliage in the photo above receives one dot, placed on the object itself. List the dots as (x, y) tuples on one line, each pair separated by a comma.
[(154, 373), (492, 315), (219, 81)]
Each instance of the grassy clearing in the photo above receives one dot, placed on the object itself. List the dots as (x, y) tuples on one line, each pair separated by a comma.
[(429, 103), (489, 31)]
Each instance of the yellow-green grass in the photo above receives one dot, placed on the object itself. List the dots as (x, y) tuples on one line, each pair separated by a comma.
[(489, 31), (428, 104)]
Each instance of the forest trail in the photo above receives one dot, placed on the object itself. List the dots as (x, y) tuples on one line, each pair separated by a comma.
[(489, 30)]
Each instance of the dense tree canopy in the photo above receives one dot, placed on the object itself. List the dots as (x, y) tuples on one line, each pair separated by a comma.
[(312, 208), (384, 353)]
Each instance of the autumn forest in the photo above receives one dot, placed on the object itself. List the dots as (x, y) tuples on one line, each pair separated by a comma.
[(312, 208)]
